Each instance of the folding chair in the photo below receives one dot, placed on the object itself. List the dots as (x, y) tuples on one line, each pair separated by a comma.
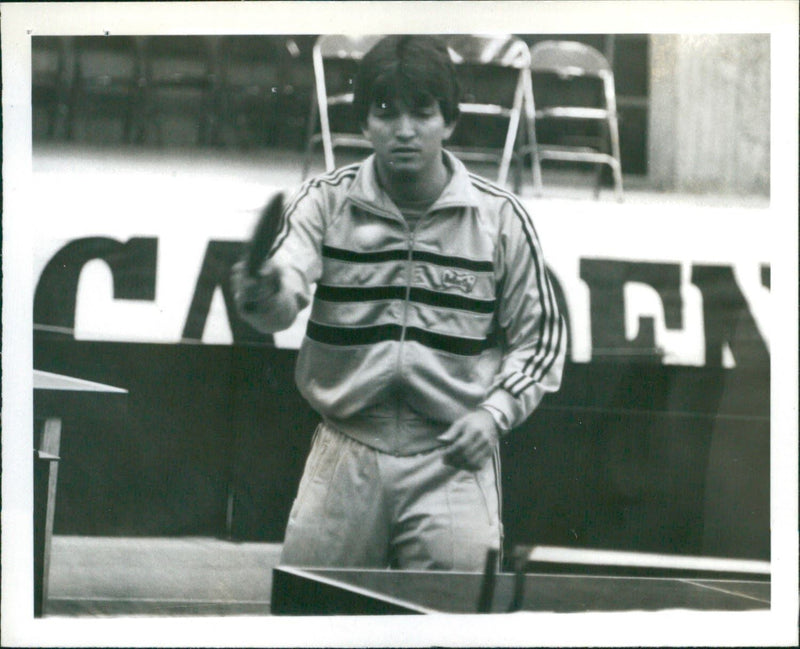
[(494, 74), (335, 59), (492, 71), (573, 103)]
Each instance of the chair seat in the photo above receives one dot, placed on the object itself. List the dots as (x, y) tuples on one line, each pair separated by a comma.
[(484, 109), (572, 112), (351, 140), (572, 154), (341, 100)]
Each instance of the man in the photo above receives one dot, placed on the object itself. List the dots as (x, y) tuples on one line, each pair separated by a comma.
[(434, 330)]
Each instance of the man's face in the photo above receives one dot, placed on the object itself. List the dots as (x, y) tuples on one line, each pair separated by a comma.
[(407, 138)]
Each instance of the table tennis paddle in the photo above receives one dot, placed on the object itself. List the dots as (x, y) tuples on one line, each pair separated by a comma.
[(264, 235)]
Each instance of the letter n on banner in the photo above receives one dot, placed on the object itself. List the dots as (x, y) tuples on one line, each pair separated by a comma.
[(727, 317)]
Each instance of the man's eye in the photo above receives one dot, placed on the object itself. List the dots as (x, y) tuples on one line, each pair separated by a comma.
[(382, 106)]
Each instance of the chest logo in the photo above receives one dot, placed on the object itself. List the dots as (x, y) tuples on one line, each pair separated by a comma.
[(462, 281)]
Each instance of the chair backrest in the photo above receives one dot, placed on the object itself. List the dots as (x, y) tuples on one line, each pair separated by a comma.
[(500, 50), (488, 68), (341, 46), (568, 73), (336, 58), (575, 108), (493, 71), (568, 58)]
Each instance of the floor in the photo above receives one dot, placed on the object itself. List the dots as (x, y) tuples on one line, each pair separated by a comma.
[(101, 576)]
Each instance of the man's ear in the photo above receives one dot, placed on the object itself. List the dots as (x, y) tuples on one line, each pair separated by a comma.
[(449, 128)]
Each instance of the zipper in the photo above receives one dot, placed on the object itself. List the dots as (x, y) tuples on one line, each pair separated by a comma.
[(411, 238), (409, 280), (412, 235)]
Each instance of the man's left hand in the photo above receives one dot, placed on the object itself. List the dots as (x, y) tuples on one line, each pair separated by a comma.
[(472, 440)]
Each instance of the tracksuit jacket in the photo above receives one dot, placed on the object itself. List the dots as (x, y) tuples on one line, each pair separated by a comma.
[(411, 328)]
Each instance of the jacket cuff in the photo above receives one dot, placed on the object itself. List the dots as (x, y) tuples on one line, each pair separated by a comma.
[(500, 405)]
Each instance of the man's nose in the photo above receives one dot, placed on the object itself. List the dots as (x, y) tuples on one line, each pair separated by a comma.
[(404, 126)]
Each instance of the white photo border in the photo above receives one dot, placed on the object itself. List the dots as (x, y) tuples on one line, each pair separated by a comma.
[(20, 21)]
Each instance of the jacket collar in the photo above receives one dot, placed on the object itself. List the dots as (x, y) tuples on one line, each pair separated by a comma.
[(367, 192)]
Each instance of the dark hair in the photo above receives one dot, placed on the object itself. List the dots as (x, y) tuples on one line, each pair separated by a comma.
[(413, 68)]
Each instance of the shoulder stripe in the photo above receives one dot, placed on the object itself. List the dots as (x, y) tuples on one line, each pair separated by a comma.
[(333, 179)]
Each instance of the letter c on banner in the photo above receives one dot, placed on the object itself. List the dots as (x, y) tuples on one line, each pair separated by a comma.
[(133, 268)]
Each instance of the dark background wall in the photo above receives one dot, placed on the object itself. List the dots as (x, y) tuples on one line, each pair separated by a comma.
[(626, 455), (242, 91)]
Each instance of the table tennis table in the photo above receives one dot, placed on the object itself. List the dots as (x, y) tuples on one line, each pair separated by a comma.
[(318, 591), (55, 398)]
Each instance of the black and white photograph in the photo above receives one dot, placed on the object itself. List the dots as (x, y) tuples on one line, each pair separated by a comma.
[(400, 323)]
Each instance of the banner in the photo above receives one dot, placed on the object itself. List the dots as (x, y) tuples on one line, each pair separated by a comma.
[(677, 282)]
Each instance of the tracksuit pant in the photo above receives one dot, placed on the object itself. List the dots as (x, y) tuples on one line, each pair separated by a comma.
[(359, 507)]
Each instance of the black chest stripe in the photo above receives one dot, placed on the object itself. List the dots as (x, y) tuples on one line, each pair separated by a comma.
[(419, 295), (340, 254), (351, 336), (402, 254)]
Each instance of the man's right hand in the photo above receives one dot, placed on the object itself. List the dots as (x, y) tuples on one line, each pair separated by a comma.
[(252, 294)]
